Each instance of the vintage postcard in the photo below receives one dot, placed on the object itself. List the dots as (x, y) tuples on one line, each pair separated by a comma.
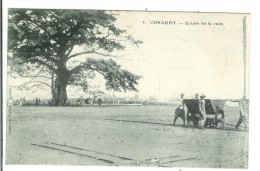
[(128, 88)]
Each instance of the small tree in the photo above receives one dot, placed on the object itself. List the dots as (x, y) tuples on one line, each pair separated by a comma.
[(47, 39)]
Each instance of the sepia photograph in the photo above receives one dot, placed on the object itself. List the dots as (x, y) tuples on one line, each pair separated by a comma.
[(127, 88)]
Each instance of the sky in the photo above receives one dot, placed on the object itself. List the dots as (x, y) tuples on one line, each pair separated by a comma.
[(184, 58), (181, 57)]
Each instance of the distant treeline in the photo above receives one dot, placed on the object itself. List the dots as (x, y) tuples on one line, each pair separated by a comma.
[(106, 101)]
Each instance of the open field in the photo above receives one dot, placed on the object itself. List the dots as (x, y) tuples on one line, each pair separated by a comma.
[(103, 135)]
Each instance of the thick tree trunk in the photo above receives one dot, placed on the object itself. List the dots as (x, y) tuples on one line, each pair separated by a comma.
[(61, 92), (61, 99)]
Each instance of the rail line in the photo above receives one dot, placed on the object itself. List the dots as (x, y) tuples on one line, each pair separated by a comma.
[(78, 148), (161, 158), (111, 159), (68, 151), (168, 124), (145, 122)]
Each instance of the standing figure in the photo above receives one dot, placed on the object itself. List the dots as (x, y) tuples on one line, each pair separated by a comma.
[(36, 101), (99, 101), (202, 110), (189, 116), (221, 119), (21, 102), (179, 111), (24, 101), (244, 112), (78, 101)]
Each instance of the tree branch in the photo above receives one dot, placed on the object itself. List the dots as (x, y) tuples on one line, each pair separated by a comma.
[(81, 66), (43, 55), (33, 76), (34, 82), (70, 50), (40, 82), (40, 62), (87, 52), (77, 68), (100, 72), (37, 75)]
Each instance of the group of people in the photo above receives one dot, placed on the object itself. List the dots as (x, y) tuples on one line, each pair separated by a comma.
[(81, 101), (37, 101), (180, 112), (21, 101)]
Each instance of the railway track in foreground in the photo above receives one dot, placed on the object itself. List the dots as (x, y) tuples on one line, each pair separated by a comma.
[(111, 159)]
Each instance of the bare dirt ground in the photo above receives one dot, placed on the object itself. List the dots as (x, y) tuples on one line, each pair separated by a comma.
[(99, 135)]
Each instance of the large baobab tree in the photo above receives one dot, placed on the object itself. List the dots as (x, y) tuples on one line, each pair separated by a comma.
[(69, 46)]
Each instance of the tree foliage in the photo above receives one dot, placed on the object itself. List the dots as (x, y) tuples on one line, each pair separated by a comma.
[(49, 39)]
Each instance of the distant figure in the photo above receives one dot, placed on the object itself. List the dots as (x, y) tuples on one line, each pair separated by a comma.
[(49, 103), (52, 101), (65, 102), (244, 112), (179, 111), (202, 109), (21, 102), (39, 101), (24, 101), (189, 116), (80, 101), (87, 101), (36, 101), (99, 101)]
